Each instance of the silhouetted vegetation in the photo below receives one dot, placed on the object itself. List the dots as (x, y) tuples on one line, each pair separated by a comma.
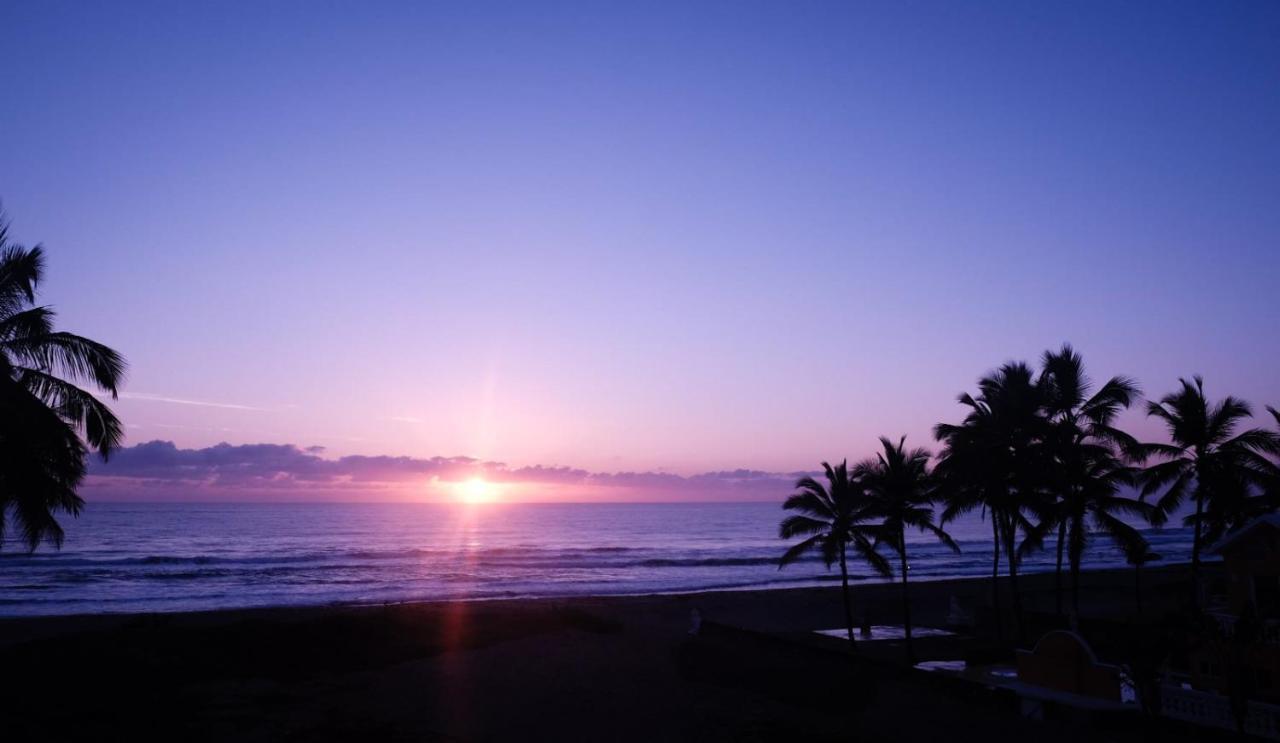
[(900, 485), (994, 460), (1038, 453), (48, 422), (832, 519), (1208, 462)]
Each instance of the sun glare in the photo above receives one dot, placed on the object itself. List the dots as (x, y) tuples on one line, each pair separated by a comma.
[(476, 491)]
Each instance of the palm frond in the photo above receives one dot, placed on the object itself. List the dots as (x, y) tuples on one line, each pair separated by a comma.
[(1224, 416), (1158, 476), (811, 503), (866, 549), (1129, 539), (1172, 499), (795, 552), (1034, 536), (943, 537), (68, 355), (41, 464), (1254, 439), (34, 321), (794, 526), (1167, 451), (101, 428), (20, 272)]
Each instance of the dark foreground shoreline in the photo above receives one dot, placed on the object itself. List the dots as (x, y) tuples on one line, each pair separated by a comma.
[(588, 668)]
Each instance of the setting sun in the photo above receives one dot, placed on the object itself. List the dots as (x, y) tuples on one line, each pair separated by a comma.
[(476, 491)]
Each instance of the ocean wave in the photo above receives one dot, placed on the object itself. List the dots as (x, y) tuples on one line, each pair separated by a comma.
[(573, 557), (697, 562), (603, 558), (344, 555), (175, 560)]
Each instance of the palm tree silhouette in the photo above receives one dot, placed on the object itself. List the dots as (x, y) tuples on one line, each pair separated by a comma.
[(832, 518), (43, 412), (964, 483), (1088, 454), (995, 460), (901, 486), (1096, 497), (1206, 461)]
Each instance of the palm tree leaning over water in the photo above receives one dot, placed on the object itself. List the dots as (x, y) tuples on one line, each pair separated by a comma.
[(832, 518), (900, 485), (1087, 455), (1208, 462), (48, 424)]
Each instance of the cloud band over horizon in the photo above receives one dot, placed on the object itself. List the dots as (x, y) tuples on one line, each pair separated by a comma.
[(159, 470)]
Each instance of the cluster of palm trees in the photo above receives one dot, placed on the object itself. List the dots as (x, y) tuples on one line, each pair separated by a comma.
[(1039, 456), (48, 422), (864, 509)]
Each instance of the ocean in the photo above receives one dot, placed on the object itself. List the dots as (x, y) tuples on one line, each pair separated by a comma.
[(182, 557)]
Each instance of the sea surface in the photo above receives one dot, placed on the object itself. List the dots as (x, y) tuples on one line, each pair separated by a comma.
[(180, 557)]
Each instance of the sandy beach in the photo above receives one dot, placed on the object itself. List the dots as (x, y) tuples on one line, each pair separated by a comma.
[(616, 668)]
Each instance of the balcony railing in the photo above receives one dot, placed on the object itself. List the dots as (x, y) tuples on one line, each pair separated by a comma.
[(1214, 710), (1268, 633)]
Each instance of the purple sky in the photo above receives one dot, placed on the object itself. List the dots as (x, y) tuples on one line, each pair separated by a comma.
[(656, 239)]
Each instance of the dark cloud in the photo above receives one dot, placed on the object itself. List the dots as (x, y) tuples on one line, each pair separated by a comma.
[(264, 464), (276, 467)]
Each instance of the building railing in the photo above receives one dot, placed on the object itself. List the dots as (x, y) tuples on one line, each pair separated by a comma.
[(1214, 710), (1268, 634)]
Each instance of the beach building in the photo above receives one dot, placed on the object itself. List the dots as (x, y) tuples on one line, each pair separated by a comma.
[(1234, 665), (1242, 652)]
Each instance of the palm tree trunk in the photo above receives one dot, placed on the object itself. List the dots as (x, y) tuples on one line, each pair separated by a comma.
[(995, 575), (1017, 600), (1057, 576), (1195, 552), (1137, 586), (1075, 557), (1010, 548), (906, 600), (844, 586)]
